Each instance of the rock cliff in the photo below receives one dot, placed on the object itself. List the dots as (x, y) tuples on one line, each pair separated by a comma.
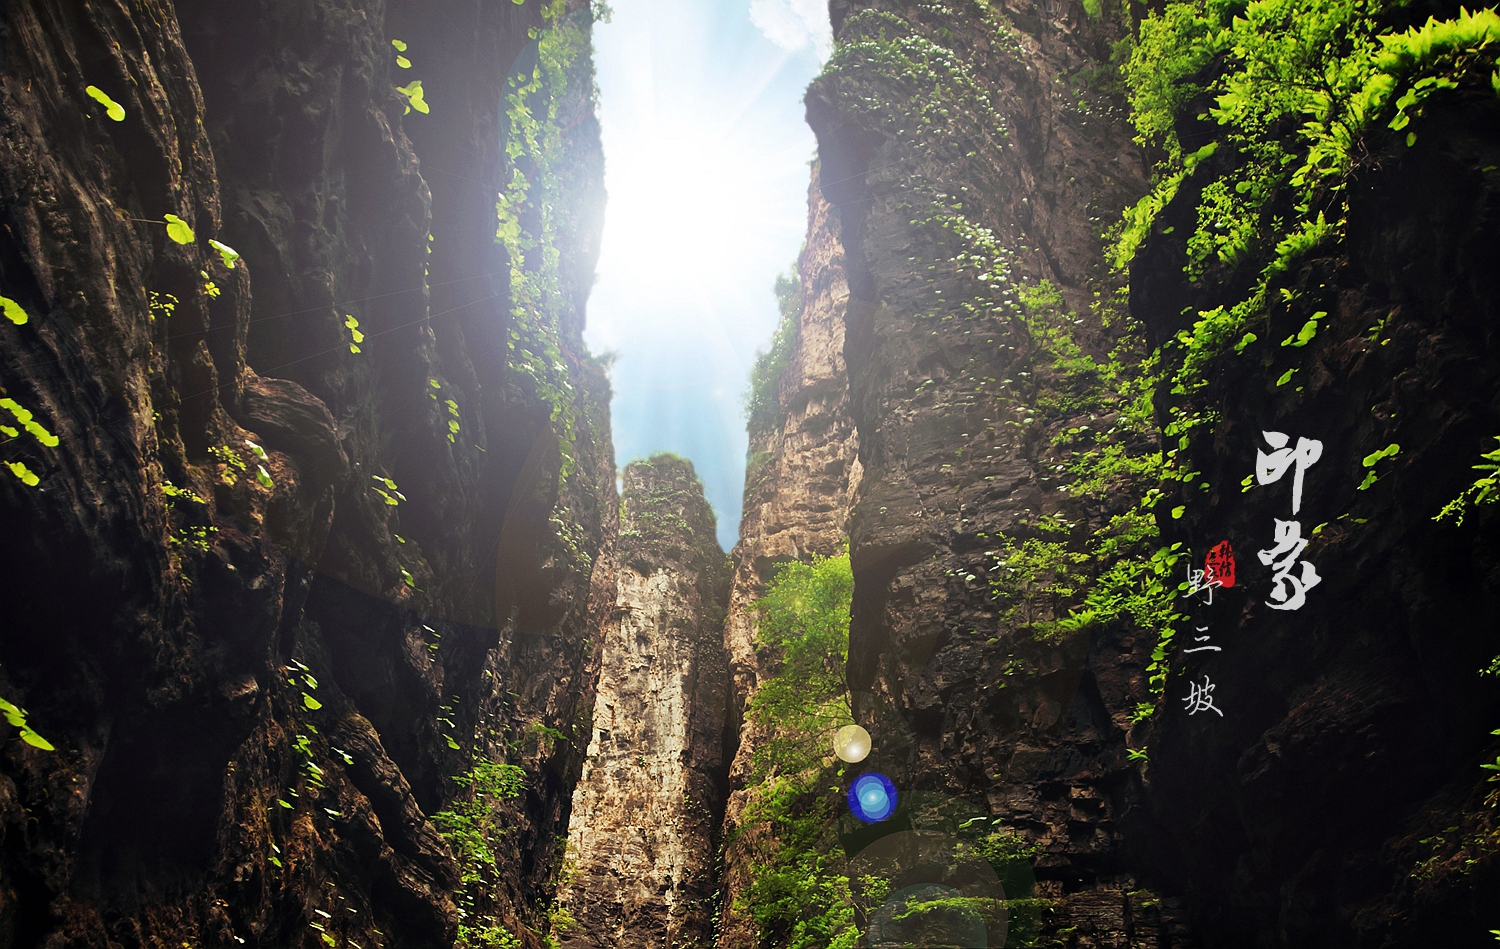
[(801, 471), (319, 497), (971, 153), (1051, 460), (645, 822)]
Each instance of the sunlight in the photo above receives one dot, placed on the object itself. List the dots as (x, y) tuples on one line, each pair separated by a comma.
[(706, 156)]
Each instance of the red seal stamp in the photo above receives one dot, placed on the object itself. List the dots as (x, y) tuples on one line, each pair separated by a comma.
[(1218, 566)]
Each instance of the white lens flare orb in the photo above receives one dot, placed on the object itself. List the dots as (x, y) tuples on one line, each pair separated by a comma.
[(852, 744)]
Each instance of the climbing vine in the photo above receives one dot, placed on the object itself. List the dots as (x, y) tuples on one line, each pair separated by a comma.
[(529, 218)]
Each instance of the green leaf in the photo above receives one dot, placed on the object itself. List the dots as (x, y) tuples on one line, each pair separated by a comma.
[(400, 46), (13, 311), (112, 108), (403, 62), (1369, 480), (1369, 460), (258, 451), (264, 477), (451, 743), (414, 96), (13, 714), (34, 740), (24, 473), (1285, 377), (229, 254), (1178, 511), (283, 803), (311, 702), (1246, 341), (177, 229), (1411, 139)]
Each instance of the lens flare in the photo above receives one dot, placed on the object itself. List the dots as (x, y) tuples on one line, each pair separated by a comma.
[(852, 744), (872, 797)]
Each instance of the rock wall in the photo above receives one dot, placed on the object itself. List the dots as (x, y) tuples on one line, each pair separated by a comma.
[(1340, 801), (801, 473), (316, 535), (971, 154), (645, 820), (1333, 797)]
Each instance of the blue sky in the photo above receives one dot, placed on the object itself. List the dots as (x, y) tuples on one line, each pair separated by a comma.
[(706, 156)]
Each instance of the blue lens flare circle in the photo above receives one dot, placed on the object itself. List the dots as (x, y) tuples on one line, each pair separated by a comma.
[(872, 797)]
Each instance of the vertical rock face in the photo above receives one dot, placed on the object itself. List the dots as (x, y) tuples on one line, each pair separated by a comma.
[(969, 155), (802, 470), (1333, 797), (322, 526), (1340, 794), (645, 819)]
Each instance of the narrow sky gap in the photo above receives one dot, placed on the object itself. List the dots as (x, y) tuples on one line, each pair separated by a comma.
[(706, 158)]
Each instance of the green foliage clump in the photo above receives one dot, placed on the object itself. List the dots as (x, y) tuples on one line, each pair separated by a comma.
[(27, 420), (471, 825), (112, 108), (1297, 89), (1486, 490), (804, 627), (799, 894), (1057, 576), (16, 716), (762, 407), (531, 214)]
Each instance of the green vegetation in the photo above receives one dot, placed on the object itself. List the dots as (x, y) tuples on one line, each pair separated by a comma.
[(804, 625), (14, 311), (233, 464), (532, 212), (112, 108), (762, 405), (472, 825), (1484, 491), (16, 716), (801, 895), (386, 488), (669, 513), (177, 229), (355, 335), (1299, 88)]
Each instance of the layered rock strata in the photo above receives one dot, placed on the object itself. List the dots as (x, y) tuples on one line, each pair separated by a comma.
[(315, 535), (802, 470), (645, 819)]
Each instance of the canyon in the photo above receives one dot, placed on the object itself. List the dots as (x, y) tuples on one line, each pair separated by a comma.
[(329, 624)]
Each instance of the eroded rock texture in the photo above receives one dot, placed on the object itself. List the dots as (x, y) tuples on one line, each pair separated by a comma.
[(645, 822), (261, 662), (1338, 799), (969, 155), (802, 471)]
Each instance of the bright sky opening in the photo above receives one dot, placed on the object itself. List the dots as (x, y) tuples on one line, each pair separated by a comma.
[(706, 165)]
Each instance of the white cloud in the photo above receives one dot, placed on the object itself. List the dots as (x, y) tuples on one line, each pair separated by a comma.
[(794, 24)]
